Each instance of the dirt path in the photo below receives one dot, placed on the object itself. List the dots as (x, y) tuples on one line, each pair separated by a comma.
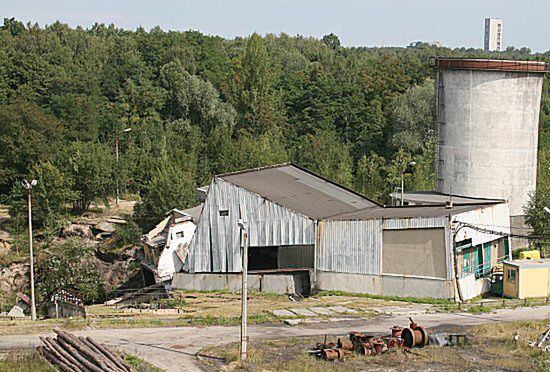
[(174, 349)]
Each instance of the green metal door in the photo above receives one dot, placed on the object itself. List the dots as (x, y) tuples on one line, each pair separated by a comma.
[(467, 268), (488, 257), (478, 264)]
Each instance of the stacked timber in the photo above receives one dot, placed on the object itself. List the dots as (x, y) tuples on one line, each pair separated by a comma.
[(79, 354)]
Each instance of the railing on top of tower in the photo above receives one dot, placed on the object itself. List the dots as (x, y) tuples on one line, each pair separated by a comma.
[(455, 63)]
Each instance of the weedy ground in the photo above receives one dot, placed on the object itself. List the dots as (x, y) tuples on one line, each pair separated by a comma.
[(491, 347), (31, 360), (223, 308)]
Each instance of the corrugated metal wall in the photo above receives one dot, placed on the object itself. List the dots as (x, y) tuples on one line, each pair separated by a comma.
[(295, 257), (350, 246), (216, 245), (356, 246), (495, 218)]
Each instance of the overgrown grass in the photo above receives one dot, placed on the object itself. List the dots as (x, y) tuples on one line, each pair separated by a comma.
[(24, 361), (416, 300), (44, 326), (139, 364)]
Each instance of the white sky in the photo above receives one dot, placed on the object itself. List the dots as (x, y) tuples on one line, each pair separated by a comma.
[(357, 23)]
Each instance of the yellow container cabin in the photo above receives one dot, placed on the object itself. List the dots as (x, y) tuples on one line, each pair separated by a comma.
[(527, 278)]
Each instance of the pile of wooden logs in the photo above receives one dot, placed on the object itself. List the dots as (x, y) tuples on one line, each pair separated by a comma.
[(71, 353)]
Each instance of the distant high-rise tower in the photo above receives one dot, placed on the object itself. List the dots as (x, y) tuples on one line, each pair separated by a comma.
[(493, 35)]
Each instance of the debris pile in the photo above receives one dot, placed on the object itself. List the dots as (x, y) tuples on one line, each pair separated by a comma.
[(71, 353), (366, 344)]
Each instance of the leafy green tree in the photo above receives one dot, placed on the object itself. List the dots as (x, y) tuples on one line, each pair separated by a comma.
[(536, 215), (190, 97), (90, 166), (50, 197), (171, 187), (331, 40), (326, 155), (27, 136), (371, 177), (70, 267), (256, 99), (413, 114)]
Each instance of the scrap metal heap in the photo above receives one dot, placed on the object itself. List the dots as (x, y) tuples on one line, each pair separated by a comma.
[(370, 345)]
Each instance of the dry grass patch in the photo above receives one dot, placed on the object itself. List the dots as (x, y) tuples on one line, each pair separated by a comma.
[(492, 347)]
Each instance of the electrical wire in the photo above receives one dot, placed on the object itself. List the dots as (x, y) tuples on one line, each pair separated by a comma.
[(501, 233)]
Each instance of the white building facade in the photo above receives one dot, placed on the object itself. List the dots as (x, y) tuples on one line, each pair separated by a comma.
[(493, 35)]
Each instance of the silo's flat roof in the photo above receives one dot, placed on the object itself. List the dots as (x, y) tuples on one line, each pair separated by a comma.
[(490, 64)]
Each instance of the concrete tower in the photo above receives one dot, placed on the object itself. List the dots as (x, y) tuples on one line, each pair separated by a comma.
[(492, 40), (488, 117)]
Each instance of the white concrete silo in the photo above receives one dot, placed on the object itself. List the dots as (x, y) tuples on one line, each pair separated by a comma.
[(488, 117)]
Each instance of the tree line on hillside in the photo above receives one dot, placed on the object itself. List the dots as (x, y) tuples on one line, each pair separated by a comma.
[(186, 106)]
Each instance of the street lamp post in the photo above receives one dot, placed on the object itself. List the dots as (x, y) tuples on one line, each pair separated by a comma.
[(412, 163), (116, 151), (244, 294), (29, 187)]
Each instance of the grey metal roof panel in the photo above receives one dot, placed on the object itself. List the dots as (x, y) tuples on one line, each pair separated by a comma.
[(434, 197), (194, 212), (529, 263), (407, 212), (300, 190)]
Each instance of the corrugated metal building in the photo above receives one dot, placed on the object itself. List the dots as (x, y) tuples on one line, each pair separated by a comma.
[(298, 220)]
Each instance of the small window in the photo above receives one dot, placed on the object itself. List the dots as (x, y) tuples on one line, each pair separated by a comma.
[(512, 276), (179, 234), (224, 213)]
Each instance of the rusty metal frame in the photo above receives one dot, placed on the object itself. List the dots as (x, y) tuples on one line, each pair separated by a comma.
[(486, 64)]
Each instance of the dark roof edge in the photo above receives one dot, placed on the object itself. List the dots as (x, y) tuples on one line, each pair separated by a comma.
[(337, 184), (303, 170), (481, 205), (489, 200), (253, 170)]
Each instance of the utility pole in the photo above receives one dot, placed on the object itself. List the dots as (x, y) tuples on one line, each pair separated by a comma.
[(244, 294), (29, 187), (412, 163)]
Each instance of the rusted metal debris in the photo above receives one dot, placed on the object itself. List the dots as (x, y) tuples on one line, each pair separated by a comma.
[(70, 353), (366, 344)]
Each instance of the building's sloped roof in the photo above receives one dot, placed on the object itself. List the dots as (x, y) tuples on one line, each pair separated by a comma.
[(433, 197), (408, 212), (194, 212), (300, 190), (545, 262)]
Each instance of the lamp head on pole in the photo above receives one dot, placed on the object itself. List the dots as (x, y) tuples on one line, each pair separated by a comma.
[(29, 185)]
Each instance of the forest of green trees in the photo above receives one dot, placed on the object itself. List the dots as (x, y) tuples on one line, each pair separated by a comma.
[(201, 105)]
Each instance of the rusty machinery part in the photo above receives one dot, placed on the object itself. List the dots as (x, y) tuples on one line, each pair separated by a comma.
[(413, 324), (345, 344), (379, 346), (415, 338), (366, 348), (395, 342), (359, 337), (396, 331), (330, 354)]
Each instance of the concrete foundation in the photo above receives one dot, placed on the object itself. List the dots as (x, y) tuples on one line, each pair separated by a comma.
[(62, 309), (385, 285), (282, 283)]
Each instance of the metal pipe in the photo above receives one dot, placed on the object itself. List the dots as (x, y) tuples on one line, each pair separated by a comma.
[(244, 301), (33, 300)]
